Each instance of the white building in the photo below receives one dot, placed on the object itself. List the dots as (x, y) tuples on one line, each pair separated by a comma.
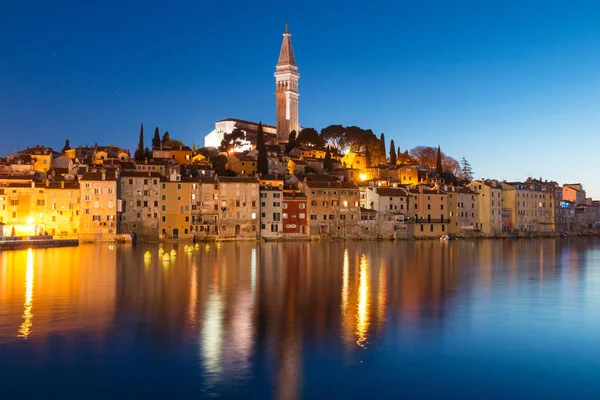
[(271, 210), (225, 126)]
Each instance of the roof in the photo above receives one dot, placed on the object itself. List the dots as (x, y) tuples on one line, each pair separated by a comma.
[(286, 55), (331, 185), (243, 121), (294, 196), (97, 176), (63, 185), (391, 192), (271, 177), (237, 179), (140, 174), (243, 157)]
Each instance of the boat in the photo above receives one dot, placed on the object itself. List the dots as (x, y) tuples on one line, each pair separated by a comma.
[(444, 237)]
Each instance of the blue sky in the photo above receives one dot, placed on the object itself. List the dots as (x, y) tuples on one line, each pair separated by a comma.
[(513, 86)]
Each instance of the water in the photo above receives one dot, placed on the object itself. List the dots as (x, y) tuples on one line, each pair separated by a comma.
[(464, 319)]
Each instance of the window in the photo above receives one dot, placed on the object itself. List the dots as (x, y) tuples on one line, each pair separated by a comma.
[(88, 185), (111, 191), (302, 206), (97, 190), (431, 228), (276, 217), (164, 208), (285, 215), (285, 205), (14, 202), (313, 217), (275, 228), (276, 204), (253, 215), (302, 216), (164, 219)]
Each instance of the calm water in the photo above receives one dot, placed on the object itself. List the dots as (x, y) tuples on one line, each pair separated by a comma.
[(486, 319)]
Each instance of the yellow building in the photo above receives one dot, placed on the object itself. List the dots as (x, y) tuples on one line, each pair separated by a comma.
[(61, 215), (181, 154), (22, 209), (531, 204), (407, 174), (490, 206), (430, 211), (175, 207), (355, 160), (98, 205), (463, 209), (42, 157), (242, 164)]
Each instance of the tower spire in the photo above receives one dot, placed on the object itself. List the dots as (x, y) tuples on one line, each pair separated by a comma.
[(286, 84)]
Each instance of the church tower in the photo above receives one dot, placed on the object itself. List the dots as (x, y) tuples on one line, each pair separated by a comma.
[(286, 94)]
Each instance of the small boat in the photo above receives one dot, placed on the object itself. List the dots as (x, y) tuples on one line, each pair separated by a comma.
[(444, 237)]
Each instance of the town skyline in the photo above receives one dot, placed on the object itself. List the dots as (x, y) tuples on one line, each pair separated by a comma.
[(536, 98)]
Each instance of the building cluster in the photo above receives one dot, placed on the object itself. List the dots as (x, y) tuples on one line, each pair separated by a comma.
[(306, 191), (99, 192)]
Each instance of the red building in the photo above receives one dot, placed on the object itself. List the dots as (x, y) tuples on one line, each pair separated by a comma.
[(295, 222)]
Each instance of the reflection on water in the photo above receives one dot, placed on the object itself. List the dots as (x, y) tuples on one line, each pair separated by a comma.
[(25, 328), (305, 320)]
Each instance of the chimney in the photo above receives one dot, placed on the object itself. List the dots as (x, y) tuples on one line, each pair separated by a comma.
[(103, 175), (62, 184), (32, 184)]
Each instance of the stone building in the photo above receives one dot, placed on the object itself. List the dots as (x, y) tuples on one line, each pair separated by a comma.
[(333, 208), (531, 205), (205, 217), (271, 211), (242, 164), (98, 205), (22, 207), (139, 195), (239, 207), (463, 210), (490, 206), (564, 214)]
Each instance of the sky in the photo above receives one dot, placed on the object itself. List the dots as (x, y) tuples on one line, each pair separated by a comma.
[(512, 86)]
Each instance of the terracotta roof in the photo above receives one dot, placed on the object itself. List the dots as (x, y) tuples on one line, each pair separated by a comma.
[(294, 196), (237, 179), (97, 176), (391, 192), (140, 174), (331, 185)]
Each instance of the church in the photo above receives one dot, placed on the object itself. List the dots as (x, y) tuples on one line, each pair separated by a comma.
[(286, 105)]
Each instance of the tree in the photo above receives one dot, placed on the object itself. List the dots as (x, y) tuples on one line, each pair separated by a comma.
[(327, 163), (291, 142), (393, 157), (232, 140), (438, 162), (335, 135), (193, 146), (176, 143), (147, 153), (368, 157), (424, 155), (382, 140), (139, 152), (262, 166), (466, 172), (166, 139), (310, 137), (67, 146), (156, 139)]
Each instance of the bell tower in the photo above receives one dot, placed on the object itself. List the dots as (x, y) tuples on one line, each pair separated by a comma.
[(286, 93)]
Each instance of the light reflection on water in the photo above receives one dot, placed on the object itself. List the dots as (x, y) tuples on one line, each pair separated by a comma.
[(305, 320)]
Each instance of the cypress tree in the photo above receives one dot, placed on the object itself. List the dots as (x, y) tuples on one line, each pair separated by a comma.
[(393, 157), (382, 140), (327, 163), (291, 141), (263, 163), (166, 139), (139, 152), (438, 163), (156, 139)]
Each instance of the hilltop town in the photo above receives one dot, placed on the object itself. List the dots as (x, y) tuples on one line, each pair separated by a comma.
[(252, 181)]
